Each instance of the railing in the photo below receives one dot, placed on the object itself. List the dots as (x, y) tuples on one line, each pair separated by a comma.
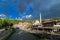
[(4, 34)]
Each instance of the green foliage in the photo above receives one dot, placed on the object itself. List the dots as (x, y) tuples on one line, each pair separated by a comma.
[(56, 19), (11, 24), (5, 23), (0, 23), (30, 21)]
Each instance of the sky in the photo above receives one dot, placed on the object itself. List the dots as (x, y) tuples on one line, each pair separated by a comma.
[(29, 9)]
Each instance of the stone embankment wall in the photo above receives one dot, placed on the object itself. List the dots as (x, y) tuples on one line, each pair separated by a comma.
[(48, 36), (4, 34)]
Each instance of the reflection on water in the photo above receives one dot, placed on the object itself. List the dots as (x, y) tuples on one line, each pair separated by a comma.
[(22, 35)]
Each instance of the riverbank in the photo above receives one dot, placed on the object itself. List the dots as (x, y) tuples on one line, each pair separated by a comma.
[(44, 36), (23, 35), (13, 31), (4, 34)]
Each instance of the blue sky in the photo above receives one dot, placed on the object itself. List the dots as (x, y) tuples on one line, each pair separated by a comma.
[(14, 9), (28, 9)]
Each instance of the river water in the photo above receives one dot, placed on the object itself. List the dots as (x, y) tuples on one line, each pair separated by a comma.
[(21, 35)]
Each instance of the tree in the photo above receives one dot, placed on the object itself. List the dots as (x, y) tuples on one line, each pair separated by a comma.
[(5, 23), (11, 24), (0, 24)]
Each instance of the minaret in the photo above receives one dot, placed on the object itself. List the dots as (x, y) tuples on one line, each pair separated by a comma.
[(40, 19)]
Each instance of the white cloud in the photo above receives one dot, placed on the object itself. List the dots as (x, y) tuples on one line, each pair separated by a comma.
[(18, 18), (2, 16), (24, 17), (27, 16)]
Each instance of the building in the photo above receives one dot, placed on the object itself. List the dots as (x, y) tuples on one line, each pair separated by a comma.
[(22, 26), (57, 26), (50, 25)]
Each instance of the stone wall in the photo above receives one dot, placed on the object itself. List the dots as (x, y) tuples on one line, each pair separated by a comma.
[(48, 36), (4, 34)]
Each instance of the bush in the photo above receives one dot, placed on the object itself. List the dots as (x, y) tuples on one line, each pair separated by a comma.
[(5, 23)]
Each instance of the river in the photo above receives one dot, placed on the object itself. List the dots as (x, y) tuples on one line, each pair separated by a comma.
[(21, 35)]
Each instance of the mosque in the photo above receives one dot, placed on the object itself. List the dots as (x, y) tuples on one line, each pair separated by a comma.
[(40, 26)]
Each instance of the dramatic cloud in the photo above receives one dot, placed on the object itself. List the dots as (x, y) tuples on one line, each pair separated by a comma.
[(17, 8)]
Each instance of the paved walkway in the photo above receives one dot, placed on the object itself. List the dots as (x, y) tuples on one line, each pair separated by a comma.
[(21, 35)]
